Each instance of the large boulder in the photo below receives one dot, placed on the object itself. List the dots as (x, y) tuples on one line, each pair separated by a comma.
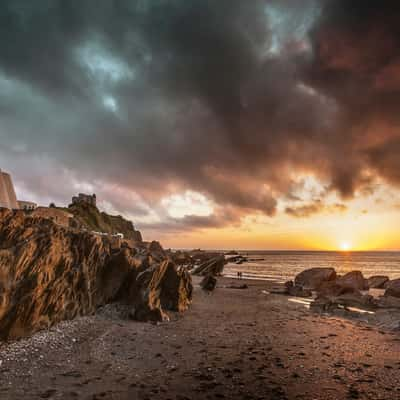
[(345, 300), (313, 278), (214, 266), (377, 281), (393, 288), (208, 283), (49, 273), (353, 280), (333, 289), (297, 291), (388, 302), (158, 288)]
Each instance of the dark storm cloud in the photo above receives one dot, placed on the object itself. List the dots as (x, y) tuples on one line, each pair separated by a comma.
[(313, 208), (230, 98), (357, 63)]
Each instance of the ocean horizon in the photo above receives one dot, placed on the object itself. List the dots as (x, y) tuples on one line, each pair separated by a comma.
[(282, 265)]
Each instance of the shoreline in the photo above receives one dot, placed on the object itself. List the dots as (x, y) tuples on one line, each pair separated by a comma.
[(234, 344)]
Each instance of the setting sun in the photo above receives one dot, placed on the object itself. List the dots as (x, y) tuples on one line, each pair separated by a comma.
[(345, 246)]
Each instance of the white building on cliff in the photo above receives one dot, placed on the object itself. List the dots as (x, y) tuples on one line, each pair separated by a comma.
[(8, 198)]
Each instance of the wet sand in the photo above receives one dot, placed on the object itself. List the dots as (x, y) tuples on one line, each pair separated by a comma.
[(233, 344)]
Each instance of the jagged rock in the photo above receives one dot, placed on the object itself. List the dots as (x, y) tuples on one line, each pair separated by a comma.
[(377, 281), (208, 283), (49, 273), (393, 288), (312, 278), (215, 267), (155, 247), (353, 280), (180, 257), (158, 288)]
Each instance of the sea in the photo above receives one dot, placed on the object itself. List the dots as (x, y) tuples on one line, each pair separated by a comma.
[(281, 266)]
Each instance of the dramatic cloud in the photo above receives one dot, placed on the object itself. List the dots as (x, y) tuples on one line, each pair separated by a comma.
[(143, 100), (316, 207)]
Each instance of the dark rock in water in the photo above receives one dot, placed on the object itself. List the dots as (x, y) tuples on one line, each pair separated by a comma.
[(208, 283), (297, 291), (214, 267), (377, 281), (49, 273), (236, 259), (312, 278), (353, 280), (393, 288)]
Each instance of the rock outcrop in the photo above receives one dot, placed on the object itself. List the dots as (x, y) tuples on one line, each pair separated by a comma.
[(345, 300), (388, 302), (353, 280), (89, 217), (377, 281), (214, 266), (208, 283), (297, 291), (393, 288), (49, 273), (158, 288), (312, 278)]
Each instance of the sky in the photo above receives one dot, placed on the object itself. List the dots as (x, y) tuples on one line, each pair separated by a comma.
[(260, 124)]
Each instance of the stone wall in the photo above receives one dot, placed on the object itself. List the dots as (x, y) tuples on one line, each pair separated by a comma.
[(60, 217), (26, 205)]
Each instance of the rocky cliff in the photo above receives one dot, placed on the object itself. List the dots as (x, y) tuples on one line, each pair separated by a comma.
[(91, 218), (49, 273)]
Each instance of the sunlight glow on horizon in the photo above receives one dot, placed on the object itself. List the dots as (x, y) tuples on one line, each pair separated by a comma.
[(345, 246)]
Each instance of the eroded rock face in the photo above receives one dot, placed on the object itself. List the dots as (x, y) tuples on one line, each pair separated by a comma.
[(377, 281), (393, 288), (313, 278), (158, 288), (214, 266), (208, 283), (49, 273)]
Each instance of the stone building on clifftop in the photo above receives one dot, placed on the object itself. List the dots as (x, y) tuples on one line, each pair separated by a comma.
[(84, 198)]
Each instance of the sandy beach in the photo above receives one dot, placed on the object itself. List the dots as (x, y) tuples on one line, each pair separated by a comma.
[(233, 344)]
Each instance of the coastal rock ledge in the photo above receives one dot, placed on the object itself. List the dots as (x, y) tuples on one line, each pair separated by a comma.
[(49, 273)]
